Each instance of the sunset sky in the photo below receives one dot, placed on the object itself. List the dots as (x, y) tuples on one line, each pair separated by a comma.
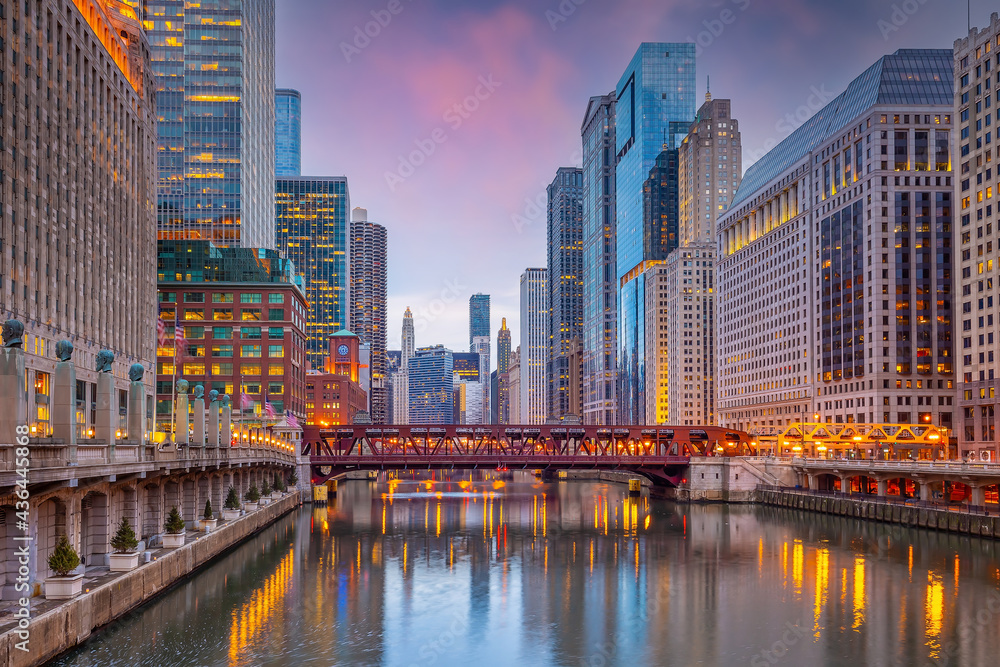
[(521, 74)]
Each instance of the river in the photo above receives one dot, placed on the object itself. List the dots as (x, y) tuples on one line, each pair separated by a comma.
[(503, 569)]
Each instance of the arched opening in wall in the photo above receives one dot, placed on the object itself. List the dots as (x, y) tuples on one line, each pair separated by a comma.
[(827, 482), (171, 499), (127, 506), (94, 529), (189, 500), (218, 494), (203, 488), (151, 516), (51, 525), (905, 488), (227, 481), (8, 549)]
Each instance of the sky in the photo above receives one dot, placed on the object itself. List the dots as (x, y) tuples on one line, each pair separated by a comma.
[(450, 118)]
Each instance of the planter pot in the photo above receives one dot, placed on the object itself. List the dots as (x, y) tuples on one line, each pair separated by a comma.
[(208, 525), (250, 507), (63, 588), (265, 500), (230, 515), (124, 562), (276, 495), (173, 540)]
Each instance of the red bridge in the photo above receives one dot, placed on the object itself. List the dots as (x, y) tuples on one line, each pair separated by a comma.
[(660, 453)]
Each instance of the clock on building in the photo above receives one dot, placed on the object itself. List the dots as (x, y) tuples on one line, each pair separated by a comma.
[(342, 350)]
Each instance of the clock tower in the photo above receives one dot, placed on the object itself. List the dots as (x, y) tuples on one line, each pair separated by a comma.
[(345, 355)]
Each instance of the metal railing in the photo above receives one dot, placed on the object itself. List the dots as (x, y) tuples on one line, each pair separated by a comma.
[(914, 465), (984, 510)]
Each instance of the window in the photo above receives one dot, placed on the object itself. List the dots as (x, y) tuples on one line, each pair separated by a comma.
[(250, 298), (194, 369), (194, 333), (250, 333), (166, 297), (276, 332), (276, 351), (194, 297), (276, 298), (194, 314), (165, 368), (275, 314), (276, 369), (250, 369), (251, 352), (251, 315), (222, 333), (275, 387), (222, 368), (222, 350), (222, 314), (222, 297)]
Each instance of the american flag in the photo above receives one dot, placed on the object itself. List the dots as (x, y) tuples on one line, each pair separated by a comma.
[(291, 420), (161, 332), (245, 401), (268, 409)]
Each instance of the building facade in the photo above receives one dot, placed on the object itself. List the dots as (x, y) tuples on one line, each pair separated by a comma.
[(214, 68), (479, 317), (312, 230), (287, 132), (565, 288), (369, 248), (656, 89), (503, 365), (401, 378), (431, 386), (600, 284), (77, 246), (513, 382), (534, 346), (977, 254), (835, 289), (243, 313), (680, 333), (481, 345)]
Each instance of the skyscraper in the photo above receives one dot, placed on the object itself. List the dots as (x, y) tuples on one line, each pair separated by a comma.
[(976, 258), (368, 300), (600, 286), (481, 345), (408, 337), (503, 365), (431, 386), (565, 298), (657, 88), (833, 297), (479, 317), (78, 258), (513, 383), (312, 231), (401, 378), (534, 345), (215, 102), (287, 132)]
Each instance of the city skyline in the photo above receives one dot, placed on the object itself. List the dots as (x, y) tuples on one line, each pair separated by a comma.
[(781, 77)]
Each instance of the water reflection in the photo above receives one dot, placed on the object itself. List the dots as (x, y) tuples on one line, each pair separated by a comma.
[(505, 569)]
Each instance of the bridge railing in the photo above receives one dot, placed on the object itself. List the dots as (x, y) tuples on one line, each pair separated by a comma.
[(887, 500)]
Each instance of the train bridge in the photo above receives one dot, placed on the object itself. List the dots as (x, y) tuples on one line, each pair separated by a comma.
[(661, 453)]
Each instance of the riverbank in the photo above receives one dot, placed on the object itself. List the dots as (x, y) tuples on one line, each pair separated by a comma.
[(876, 510), (57, 626)]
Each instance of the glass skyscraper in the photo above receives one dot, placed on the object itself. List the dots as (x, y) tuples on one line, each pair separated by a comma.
[(312, 230), (479, 317), (657, 88), (214, 70), (287, 132), (431, 380)]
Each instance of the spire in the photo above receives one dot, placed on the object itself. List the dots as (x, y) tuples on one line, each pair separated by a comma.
[(503, 323), (708, 88)]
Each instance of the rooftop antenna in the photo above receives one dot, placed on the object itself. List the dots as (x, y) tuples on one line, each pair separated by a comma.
[(708, 89)]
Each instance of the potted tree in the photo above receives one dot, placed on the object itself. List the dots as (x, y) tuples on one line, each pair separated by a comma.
[(125, 557), (293, 479), (265, 492), (278, 486), (62, 561), (208, 521), (231, 508), (174, 537), (252, 497)]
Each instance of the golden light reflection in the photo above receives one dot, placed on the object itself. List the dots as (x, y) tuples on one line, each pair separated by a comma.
[(955, 593), (797, 562), (252, 618), (909, 567), (934, 613), (784, 563), (859, 592), (760, 557), (437, 532), (822, 587)]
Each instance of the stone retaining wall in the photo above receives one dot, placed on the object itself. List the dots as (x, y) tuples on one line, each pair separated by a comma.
[(920, 517), (59, 629)]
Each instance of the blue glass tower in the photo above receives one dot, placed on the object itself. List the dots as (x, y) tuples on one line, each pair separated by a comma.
[(431, 384), (287, 132), (479, 317), (657, 88)]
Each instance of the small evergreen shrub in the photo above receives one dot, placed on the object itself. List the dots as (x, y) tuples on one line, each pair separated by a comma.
[(124, 540), (64, 558), (174, 524)]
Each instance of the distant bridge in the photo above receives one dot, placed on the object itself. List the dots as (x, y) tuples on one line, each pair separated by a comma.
[(661, 453)]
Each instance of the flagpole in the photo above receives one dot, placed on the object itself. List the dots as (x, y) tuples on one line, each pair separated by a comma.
[(173, 382)]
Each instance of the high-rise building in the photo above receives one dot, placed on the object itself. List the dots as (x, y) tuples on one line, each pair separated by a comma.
[(600, 284), (401, 378), (393, 359), (503, 365), (312, 231), (495, 393), (287, 132), (78, 259), (479, 317), (656, 89), (409, 339), (833, 295), (680, 366), (468, 406), (534, 345), (481, 344), (660, 209), (215, 103), (368, 300), (513, 382), (565, 271), (711, 165), (431, 386), (466, 366), (977, 256)]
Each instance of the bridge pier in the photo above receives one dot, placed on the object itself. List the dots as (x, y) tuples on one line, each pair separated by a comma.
[(978, 494), (883, 486)]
